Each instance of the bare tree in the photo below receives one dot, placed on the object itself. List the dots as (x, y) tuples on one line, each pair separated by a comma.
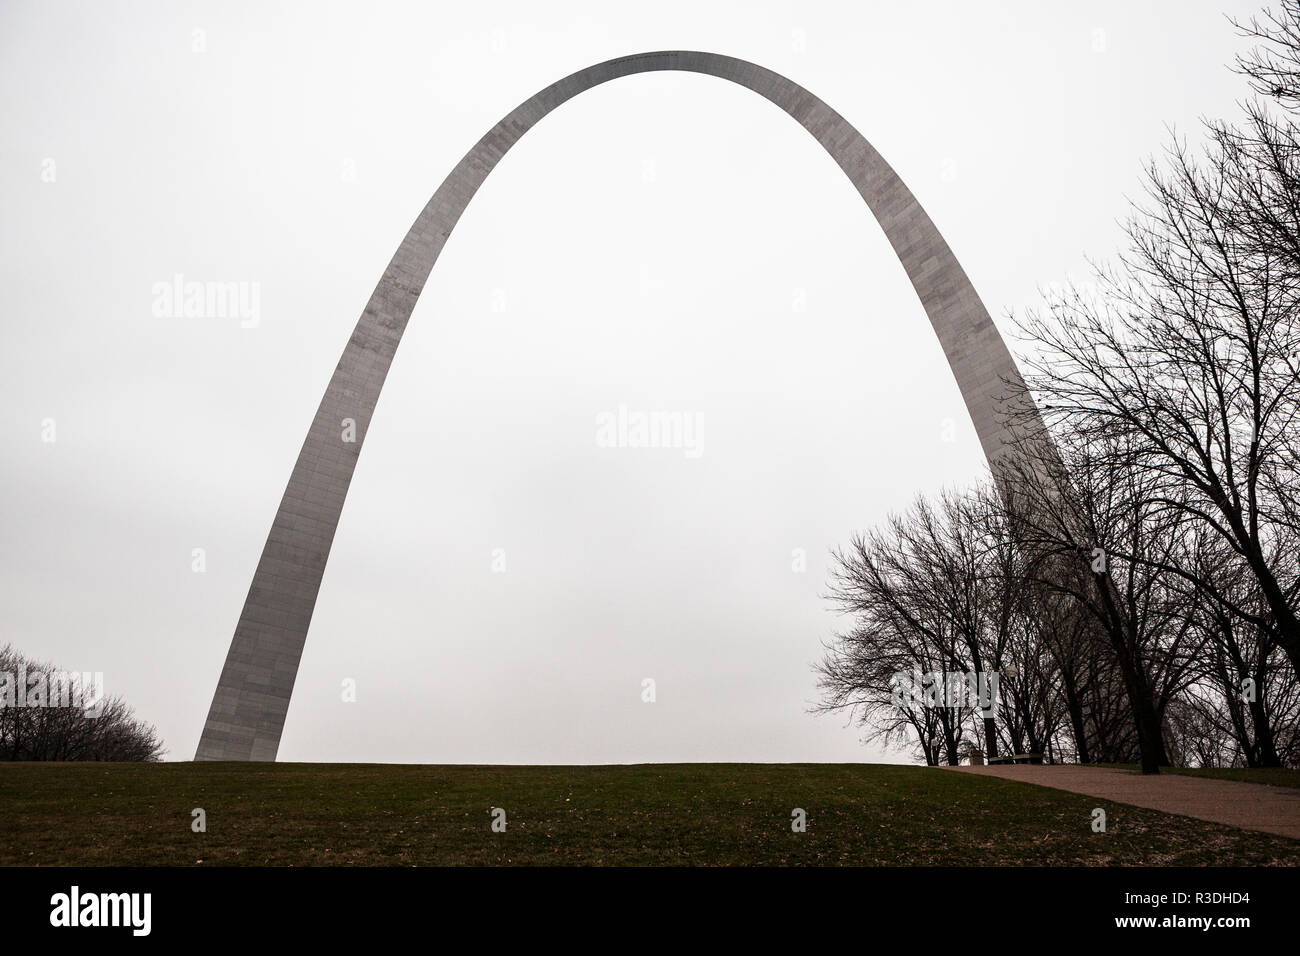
[(940, 590), (1187, 362), (1095, 534), (67, 728), (911, 599)]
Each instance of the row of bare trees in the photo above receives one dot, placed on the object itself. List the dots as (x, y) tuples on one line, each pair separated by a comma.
[(1135, 583), (63, 726), (1107, 624)]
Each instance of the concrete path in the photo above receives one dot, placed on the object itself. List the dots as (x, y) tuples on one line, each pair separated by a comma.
[(1251, 806)]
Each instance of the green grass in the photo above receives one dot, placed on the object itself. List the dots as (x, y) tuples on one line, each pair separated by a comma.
[(1272, 776), (324, 814)]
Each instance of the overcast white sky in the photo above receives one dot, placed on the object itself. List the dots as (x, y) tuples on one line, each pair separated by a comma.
[(666, 242)]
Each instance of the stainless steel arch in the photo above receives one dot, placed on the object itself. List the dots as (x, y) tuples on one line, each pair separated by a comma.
[(252, 697)]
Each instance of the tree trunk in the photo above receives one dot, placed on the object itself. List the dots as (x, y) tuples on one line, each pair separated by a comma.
[(1077, 725), (990, 738), (1265, 748)]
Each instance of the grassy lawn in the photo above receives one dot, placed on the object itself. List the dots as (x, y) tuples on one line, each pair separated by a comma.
[(1268, 775), (373, 814)]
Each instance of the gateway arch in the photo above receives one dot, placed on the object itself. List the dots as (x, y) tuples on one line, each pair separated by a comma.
[(252, 697)]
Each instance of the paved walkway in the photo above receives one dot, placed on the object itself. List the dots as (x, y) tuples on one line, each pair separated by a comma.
[(1251, 806)]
